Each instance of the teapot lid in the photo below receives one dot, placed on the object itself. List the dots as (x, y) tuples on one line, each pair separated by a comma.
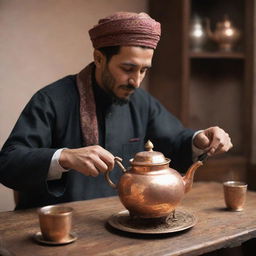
[(149, 157)]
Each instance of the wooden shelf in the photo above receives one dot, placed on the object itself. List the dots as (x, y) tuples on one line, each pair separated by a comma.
[(217, 55), (209, 87)]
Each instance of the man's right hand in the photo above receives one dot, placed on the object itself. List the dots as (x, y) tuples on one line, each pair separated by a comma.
[(90, 160)]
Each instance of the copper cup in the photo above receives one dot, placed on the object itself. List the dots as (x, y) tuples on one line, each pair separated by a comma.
[(235, 194), (55, 222)]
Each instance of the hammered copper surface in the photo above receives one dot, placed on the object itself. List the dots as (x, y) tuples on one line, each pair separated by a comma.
[(149, 157), (150, 188), (55, 223), (235, 195)]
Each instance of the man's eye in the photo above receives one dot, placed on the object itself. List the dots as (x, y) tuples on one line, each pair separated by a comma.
[(127, 70), (143, 70)]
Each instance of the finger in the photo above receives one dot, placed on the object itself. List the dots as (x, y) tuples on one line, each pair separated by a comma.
[(221, 143), (89, 171), (216, 150), (204, 141), (88, 168), (218, 137), (226, 147), (92, 171), (101, 166), (201, 141), (103, 155), (108, 159)]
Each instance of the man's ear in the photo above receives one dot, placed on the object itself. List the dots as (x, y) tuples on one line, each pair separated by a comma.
[(98, 58)]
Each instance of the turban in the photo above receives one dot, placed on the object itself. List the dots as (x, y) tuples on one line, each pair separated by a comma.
[(126, 29)]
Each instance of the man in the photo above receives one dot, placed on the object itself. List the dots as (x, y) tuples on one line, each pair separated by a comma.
[(70, 131)]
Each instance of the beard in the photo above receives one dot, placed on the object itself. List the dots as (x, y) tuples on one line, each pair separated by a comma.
[(108, 82)]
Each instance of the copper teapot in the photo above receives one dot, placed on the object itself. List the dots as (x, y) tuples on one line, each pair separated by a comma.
[(150, 188)]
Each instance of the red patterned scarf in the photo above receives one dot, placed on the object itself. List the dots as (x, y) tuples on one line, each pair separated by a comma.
[(88, 117)]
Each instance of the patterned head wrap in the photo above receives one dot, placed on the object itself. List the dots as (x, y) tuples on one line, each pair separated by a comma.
[(126, 29)]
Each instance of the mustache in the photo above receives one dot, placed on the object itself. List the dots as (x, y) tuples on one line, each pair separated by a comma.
[(127, 87)]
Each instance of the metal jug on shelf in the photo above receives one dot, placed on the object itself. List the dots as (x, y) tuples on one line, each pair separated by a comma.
[(199, 33), (225, 35)]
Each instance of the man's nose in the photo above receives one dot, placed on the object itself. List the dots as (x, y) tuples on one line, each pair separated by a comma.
[(135, 80)]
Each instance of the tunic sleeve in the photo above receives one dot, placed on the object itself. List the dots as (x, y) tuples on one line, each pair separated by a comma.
[(26, 155), (169, 136)]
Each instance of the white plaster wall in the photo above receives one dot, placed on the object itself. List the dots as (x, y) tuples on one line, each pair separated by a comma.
[(41, 41)]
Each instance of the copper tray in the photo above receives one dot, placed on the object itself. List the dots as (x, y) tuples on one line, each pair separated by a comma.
[(123, 221)]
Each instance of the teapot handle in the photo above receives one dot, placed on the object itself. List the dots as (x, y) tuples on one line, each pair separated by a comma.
[(118, 160)]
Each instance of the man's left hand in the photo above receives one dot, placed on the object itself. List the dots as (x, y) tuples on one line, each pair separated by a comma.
[(213, 140)]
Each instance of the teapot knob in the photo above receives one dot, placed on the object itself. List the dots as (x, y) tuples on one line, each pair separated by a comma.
[(149, 146)]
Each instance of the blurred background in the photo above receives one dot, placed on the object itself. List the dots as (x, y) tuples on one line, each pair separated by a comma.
[(203, 68)]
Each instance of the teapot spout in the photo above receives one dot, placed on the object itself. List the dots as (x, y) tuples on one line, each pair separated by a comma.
[(189, 177)]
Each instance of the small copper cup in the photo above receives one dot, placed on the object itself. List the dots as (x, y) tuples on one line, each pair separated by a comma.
[(235, 195), (55, 222)]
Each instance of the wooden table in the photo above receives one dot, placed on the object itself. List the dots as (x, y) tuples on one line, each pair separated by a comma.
[(216, 228)]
